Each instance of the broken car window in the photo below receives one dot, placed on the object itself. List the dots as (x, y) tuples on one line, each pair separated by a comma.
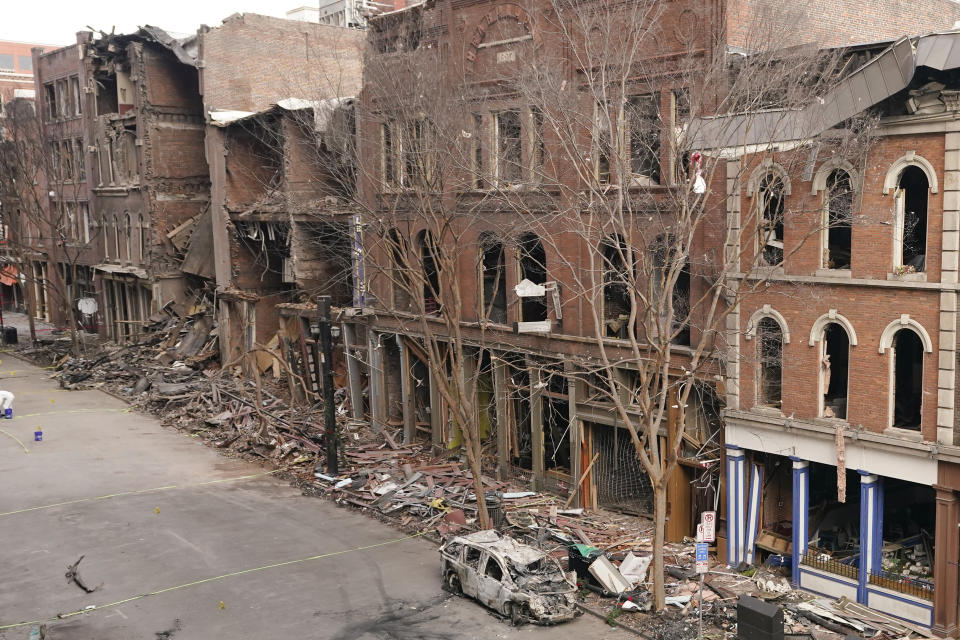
[(473, 557), (493, 569)]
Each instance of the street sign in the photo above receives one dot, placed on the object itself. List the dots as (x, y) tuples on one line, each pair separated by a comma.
[(709, 521), (703, 562)]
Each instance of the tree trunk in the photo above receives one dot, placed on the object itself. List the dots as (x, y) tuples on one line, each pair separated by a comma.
[(473, 462), (659, 529)]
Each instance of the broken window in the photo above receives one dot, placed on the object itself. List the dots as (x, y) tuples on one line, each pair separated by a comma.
[(429, 257), (770, 346), (533, 267), (400, 282), (66, 159), (770, 225), (63, 99), (835, 531), (643, 118), (116, 238), (141, 239), (85, 218), (472, 558), (601, 142), (910, 253), (493, 569), (106, 94), (539, 151), (128, 156), (556, 419), (617, 284), (834, 360), (666, 259), (908, 551), (839, 220), (80, 160), (50, 100), (76, 96), (907, 379), (520, 434), (494, 274), (509, 159), (416, 169), (128, 236)]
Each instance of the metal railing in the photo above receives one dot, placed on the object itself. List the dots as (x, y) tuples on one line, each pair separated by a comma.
[(910, 586), (831, 566)]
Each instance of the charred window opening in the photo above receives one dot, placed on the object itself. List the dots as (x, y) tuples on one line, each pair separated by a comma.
[(324, 262), (907, 379), (770, 346), (643, 115), (666, 259), (473, 557), (400, 282), (909, 521), (770, 224), (520, 435), (509, 158), (556, 420), (834, 370), (533, 267), (617, 283), (106, 94), (839, 221), (269, 244), (429, 256), (911, 201), (836, 528), (420, 375), (494, 273), (493, 569)]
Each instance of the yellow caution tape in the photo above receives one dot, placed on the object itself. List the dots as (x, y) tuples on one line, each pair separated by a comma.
[(232, 574)]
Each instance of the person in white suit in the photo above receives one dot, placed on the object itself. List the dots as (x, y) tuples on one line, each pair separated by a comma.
[(6, 404)]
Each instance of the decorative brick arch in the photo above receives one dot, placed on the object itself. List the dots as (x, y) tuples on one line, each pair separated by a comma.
[(820, 178), (907, 160), (501, 12), (766, 168), (816, 331), (767, 312), (905, 322)]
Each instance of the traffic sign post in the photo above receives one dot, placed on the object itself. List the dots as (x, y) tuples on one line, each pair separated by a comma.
[(703, 565)]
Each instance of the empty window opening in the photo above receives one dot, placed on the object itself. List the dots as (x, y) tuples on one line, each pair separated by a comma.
[(907, 379), (556, 421), (416, 159), (397, 247), (533, 267), (106, 94), (429, 255), (477, 151), (420, 379), (509, 161), (911, 203), (770, 346), (50, 99), (675, 303), (494, 274), (601, 141), (839, 221), (76, 96), (833, 370), (643, 115), (493, 570), (617, 284), (390, 177), (771, 220), (620, 479), (835, 525), (486, 400), (909, 519), (473, 557), (519, 434)]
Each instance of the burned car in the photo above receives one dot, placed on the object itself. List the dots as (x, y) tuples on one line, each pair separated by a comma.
[(516, 580)]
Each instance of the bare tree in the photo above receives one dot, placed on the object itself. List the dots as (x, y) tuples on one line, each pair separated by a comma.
[(50, 221)]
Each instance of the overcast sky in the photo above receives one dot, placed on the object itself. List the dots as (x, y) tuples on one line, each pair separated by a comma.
[(57, 21)]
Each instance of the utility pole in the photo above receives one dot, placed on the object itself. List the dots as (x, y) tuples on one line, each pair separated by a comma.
[(326, 375)]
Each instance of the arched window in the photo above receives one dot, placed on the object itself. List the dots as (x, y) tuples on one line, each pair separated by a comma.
[(532, 263), (493, 275), (838, 221), (617, 284), (834, 368), (770, 202), (910, 226), (907, 361), (128, 236), (770, 362), (430, 265), (400, 282)]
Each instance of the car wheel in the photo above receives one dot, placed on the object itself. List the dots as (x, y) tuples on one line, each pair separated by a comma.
[(453, 583)]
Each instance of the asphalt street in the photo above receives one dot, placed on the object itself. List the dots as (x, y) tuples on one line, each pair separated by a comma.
[(183, 543)]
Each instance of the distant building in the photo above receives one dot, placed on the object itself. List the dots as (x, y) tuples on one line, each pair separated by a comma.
[(16, 70), (344, 13)]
